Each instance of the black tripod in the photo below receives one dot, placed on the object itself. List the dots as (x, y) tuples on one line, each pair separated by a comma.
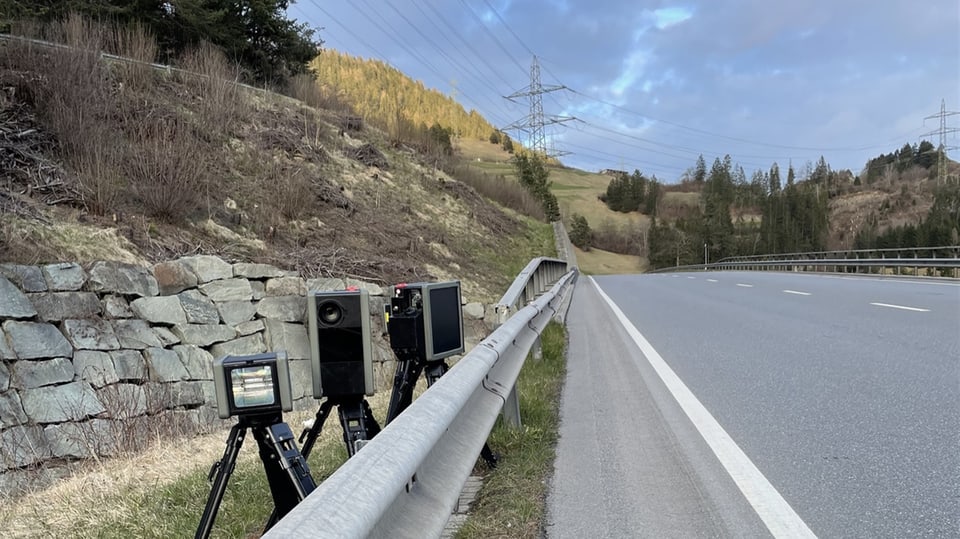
[(409, 367), (358, 424), (286, 468), (356, 418)]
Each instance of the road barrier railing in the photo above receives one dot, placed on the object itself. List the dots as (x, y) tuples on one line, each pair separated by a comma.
[(407, 480), (944, 261)]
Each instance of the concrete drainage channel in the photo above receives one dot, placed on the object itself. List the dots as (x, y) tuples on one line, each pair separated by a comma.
[(462, 510)]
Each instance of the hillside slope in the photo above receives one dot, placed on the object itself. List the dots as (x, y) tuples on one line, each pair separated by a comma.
[(122, 162)]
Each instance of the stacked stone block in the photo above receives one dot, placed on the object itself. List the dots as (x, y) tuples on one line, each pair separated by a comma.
[(100, 359)]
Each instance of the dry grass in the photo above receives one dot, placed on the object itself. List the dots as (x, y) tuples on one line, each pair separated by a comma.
[(506, 192), (213, 80), (33, 242), (305, 88), (478, 150), (103, 498), (600, 262)]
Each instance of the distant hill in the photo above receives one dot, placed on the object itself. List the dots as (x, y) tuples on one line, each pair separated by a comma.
[(391, 100)]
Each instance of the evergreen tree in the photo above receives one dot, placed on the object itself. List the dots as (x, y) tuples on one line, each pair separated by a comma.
[(507, 144), (926, 155), (534, 176), (652, 200), (700, 172), (268, 45), (774, 178), (580, 233)]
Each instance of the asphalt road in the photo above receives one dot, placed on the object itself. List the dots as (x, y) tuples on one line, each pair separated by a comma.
[(842, 392)]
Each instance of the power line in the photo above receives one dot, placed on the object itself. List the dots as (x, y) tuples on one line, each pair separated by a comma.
[(726, 137), (491, 35)]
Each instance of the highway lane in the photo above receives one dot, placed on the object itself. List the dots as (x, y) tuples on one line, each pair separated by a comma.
[(842, 391)]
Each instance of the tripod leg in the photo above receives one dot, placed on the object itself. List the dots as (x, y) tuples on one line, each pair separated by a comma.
[(354, 418), (224, 468), (403, 383), (291, 460), (277, 452), (488, 455), (373, 428), (434, 371), (309, 437)]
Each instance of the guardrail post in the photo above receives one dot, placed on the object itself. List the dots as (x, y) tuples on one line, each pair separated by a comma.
[(511, 408), (511, 404), (537, 349)]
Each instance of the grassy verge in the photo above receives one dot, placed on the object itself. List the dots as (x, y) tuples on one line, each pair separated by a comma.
[(512, 502), (162, 493)]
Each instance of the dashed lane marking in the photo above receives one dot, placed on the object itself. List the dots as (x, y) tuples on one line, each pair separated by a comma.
[(797, 293), (901, 307)]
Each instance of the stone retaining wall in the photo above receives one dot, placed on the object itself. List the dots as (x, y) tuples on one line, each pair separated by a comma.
[(99, 358)]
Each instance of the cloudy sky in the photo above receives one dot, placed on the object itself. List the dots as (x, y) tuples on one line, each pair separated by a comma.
[(653, 84)]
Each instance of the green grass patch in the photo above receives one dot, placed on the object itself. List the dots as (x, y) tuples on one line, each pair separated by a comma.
[(175, 509), (514, 253), (512, 501)]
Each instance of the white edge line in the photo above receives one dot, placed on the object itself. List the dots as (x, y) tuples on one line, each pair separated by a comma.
[(902, 307), (797, 292), (745, 285), (773, 510)]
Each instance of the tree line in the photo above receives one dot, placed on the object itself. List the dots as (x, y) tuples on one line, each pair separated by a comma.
[(785, 214), (256, 34), (940, 227)]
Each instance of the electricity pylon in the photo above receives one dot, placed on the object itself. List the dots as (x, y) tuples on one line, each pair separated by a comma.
[(942, 149), (535, 121)]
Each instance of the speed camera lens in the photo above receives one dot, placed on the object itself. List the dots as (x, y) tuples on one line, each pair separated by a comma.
[(330, 313)]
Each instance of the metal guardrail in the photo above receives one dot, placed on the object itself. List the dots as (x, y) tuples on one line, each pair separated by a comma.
[(406, 481), (114, 58), (564, 246), (532, 281), (854, 261)]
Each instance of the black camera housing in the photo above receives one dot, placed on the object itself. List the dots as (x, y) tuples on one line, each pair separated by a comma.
[(426, 321), (340, 346), (251, 385)]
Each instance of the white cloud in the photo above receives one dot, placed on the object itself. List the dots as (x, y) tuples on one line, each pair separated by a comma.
[(633, 69), (670, 16)]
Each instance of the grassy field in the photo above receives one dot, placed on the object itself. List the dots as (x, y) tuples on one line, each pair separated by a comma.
[(598, 262), (577, 191)]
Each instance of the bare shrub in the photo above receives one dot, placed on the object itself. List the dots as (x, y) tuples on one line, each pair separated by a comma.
[(98, 168), (167, 171), (304, 87), (137, 44), (623, 239), (288, 193), (914, 174), (508, 193), (73, 96), (214, 80)]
